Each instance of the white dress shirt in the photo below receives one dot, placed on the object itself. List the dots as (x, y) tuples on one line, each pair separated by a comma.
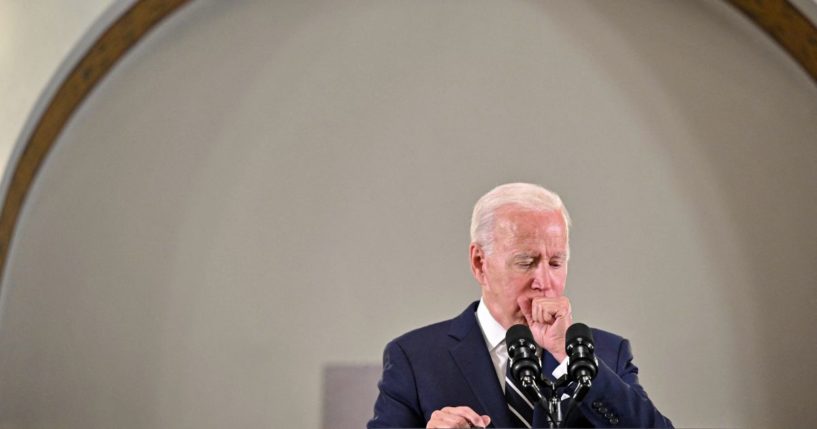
[(494, 335)]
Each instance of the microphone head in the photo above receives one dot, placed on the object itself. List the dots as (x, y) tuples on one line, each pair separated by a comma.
[(581, 361), (524, 364), (578, 333), (516, 333)]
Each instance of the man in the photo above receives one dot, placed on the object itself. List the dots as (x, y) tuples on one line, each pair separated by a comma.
[(453, 374)]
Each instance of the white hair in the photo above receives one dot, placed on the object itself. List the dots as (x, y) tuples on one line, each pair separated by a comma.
[(524, 195)]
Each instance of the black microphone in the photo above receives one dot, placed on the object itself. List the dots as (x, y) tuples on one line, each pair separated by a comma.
[(581, 359), (522, 353)]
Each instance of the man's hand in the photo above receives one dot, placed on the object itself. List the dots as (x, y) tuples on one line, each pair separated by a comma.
[(548, 319), (457, 417)]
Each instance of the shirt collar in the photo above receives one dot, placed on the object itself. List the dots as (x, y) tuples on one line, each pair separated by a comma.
[(493, 332)]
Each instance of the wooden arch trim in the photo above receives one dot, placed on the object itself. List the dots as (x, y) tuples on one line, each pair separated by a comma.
[(94, 64), (779, 18), (792, 30)]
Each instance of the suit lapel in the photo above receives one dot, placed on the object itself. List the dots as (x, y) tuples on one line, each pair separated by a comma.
[(472, 357)]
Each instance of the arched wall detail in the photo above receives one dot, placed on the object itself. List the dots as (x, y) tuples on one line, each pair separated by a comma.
[(787, 26), (779, 18), (121, 34)]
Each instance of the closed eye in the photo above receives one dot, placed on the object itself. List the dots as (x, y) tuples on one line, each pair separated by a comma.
[(526, 262)]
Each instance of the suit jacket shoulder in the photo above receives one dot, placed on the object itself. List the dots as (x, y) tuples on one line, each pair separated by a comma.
[(439, 365)]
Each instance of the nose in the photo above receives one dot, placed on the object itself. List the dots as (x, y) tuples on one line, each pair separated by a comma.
[(543, 282)]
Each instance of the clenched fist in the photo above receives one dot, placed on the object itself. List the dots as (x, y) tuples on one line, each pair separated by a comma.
[(548, 319)]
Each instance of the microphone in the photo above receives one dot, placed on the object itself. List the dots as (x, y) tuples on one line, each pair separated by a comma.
[(522, 352), (581, 359)]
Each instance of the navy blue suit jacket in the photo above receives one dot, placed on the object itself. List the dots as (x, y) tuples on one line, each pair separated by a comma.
[(448, 364)]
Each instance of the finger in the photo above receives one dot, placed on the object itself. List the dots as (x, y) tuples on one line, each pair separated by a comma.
[(548, 314), (557, 307), (470, 415), (544, 311), (567, 319), (441, 419), (538, 313), (535, 312), (564, 306), (452, 421), (446, 418), (524, 305)]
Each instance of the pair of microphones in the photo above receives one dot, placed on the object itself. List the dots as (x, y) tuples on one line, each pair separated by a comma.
[(582, 365)]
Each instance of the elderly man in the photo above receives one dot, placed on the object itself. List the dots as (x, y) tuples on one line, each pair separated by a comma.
[(453, 374)]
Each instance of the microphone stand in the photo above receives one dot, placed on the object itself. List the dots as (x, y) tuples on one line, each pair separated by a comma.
[(549, 400), (578, 395)]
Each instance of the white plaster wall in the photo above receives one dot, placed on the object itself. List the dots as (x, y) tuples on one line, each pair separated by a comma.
[(259, 177)]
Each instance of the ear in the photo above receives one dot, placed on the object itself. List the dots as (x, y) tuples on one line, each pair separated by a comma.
[(477, 256)]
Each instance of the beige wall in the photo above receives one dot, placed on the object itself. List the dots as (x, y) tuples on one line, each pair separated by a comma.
[(258, 178), (36, 37)]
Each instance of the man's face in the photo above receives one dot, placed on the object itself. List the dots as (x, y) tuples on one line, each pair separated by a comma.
[(529, 260)]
